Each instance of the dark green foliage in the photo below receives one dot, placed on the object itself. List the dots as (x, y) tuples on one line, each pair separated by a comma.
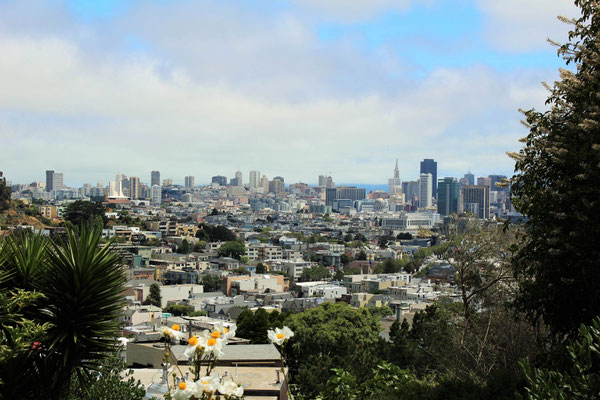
[(4, 194), (232, 249), (390, 266), (339, 275), (154, 297), (261, 268), (404, 236), (82, 285), (89, 213), (331, 336), (254, 325), (581, 378), (361, 256), (179, 309), (557, 185), (211, 283), (317, 273), (386, 381), (344, 259), (110, 382), (240, 271), (211, 233), (184, 247)]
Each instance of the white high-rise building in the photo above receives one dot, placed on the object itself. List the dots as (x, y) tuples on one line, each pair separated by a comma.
[(264, 183), (425, 190), (115, 189), (156, 195), (189, 182), (239, 178), (254, 179)]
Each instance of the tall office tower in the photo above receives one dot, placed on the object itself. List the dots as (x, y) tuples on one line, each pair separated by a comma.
[(484, 181), (277, 185), (144, 192), (425, 190), (57, 181), (323, 180), (254, 179), (168, 182), (330, 183), (189, 182), (410, 189), (395, 184), (240, 178), (220, 179), (476, 200), (134, 188), (49, 174), (156, 195), (497, 179), (155, 178), (448, 196), (429, 166), (264, 183), (470, 178), (330, 196)]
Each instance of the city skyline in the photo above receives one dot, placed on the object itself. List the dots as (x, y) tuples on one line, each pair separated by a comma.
[(199, 182), (293, 88)]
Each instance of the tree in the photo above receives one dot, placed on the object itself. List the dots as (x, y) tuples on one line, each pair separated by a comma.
[(581, 380), (4, 194), (253, 325), (217, 233), (331, 336), (110, 382), (154, 297), (344, 259), (339, 275), (317, 273), (179, 309), (82, 284), (557, 186), (260, 268), (184, 247), (240, 271), (361, 256), (232, 249), (211, 283), (82, 212)]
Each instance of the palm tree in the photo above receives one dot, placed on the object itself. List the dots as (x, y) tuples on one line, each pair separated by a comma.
[(82, 283), (22, 256)]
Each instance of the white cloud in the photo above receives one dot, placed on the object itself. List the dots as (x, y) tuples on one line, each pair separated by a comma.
[(518, 25), (217, 88)]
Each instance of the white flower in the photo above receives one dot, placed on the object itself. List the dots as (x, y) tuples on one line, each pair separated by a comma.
[(212, 343), (224, 332), (231, 389), (172, 333), (208, 384), (190, 351), (185, 390), (280, 336)]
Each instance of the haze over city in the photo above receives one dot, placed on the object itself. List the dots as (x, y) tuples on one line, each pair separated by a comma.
[(291, 88)]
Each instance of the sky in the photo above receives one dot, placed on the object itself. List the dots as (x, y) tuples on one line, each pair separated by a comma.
[(296, 88)]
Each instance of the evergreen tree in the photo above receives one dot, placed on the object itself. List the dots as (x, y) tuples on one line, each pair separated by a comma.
[(260, 268), (557, 185), (154, 297)]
